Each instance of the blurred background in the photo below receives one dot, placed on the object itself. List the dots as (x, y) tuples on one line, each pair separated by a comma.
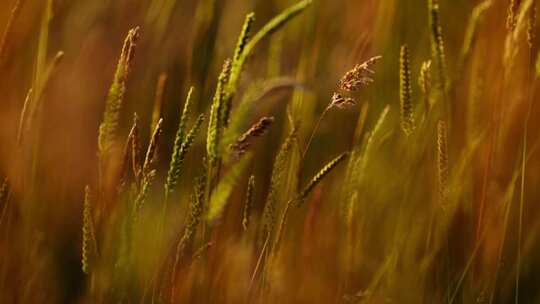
[(188, 41)]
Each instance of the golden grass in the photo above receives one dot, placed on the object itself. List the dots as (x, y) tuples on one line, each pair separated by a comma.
[(323, 177)]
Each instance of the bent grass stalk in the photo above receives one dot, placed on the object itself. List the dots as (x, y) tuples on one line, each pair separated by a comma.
[(272, 26)]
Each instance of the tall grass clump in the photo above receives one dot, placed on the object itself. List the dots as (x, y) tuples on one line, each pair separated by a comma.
[(304, 168)]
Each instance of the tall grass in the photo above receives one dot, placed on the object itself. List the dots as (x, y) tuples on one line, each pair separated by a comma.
[(304, 167)]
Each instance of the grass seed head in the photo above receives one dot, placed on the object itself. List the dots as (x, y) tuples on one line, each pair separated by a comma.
[(405, 92), (179, 155), (341, 102), (320, 176), (442, 161), (152, 148), (88, 236), (115, 97), (258, 129), (359, 76), (246, 214), (437, 44)]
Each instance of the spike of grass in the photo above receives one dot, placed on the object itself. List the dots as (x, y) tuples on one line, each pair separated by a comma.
[(115, 97), (272, 26), (195, 213), (248, 204), (127, 157), (152, 148), (140, 200), (89, 245), (179, 154), (424, 82), (242, 42), (315, 180), (442, 162), (136, 160), (250, 101), (188, 104), (215, 124), (405, 92), (437, 44), (276, 182)]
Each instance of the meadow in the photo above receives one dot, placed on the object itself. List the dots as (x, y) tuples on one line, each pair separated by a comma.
[(276, 151)]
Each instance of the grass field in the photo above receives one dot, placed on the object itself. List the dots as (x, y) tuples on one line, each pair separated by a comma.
[(278, 151)]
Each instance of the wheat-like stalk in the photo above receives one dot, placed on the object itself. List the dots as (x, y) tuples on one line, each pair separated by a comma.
[(241, 45), (424, 82), (248, 204), (244, 37), (272, 26), (276, 182), (405, 92), (437, 44), (89, 245), (179, 155), (136, 159), (115, 97), (195, 213), (225, 100), (146, 183), (315, 180), (127, 159), (215, 124), (186, 111), (152, 148), (442, 161)]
